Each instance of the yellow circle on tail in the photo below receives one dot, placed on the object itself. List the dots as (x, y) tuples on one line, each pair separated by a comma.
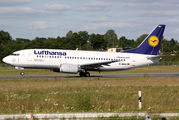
[(153, 41)]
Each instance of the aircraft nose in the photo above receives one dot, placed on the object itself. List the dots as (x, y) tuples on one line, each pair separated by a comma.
[(5, 59)]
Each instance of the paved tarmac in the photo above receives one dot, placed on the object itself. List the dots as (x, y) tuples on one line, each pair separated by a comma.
[(104, 75)]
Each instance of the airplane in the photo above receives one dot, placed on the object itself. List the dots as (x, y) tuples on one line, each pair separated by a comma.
[(74, 61)]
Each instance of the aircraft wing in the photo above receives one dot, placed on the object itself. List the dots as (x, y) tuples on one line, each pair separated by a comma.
[(93, 65)]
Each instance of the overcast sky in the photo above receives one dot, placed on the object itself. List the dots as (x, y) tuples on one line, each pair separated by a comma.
[(52, 18)]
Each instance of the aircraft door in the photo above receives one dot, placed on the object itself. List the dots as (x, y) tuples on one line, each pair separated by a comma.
[(29, 56), (133, 61)]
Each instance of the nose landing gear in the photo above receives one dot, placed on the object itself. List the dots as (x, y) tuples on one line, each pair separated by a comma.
[(20, 68), (22, 73)]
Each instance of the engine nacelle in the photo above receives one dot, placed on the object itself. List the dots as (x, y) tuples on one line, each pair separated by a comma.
[(69, 68)]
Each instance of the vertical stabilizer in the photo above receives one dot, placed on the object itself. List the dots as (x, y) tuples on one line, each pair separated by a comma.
[(151, 43)]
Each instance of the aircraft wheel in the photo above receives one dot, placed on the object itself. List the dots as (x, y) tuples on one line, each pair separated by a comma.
[(22, 73), (87, 74), (82, 74)]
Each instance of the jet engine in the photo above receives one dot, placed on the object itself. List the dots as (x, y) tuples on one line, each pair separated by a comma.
[(69, 68)]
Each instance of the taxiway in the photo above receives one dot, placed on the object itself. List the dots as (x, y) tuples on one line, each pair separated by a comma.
[(104, 75)]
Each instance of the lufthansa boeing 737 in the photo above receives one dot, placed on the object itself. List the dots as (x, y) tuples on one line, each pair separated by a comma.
[(74, 61)]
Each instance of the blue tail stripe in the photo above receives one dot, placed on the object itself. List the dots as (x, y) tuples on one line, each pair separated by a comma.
[(151, 43)]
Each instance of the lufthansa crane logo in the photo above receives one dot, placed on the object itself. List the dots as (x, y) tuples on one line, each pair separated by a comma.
[(153, 41)]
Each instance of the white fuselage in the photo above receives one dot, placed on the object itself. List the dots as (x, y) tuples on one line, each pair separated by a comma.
[(52, 59)]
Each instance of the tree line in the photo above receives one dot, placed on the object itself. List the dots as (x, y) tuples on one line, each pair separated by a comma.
[(81, 40)]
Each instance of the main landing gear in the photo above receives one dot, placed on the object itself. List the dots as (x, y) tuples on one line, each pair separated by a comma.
[(84, 74)]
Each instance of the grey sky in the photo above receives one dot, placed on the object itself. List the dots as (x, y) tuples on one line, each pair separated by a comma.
[(52, 18)]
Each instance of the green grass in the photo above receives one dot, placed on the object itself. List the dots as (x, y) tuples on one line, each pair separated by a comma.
[(6, 71), (88, 95), (56, 95)]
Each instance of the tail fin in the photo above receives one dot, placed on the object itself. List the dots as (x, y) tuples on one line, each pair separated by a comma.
[(151, 43)]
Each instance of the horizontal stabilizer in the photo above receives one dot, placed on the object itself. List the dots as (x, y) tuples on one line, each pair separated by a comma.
[(160, 56)]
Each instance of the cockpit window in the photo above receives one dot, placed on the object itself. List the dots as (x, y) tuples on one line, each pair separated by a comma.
[(15, 54)]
